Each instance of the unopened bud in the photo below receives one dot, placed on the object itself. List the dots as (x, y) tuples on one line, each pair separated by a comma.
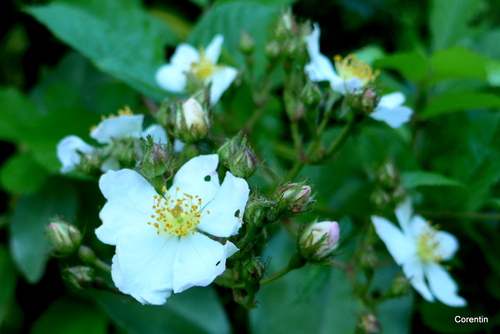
[(273, 50), (319, 240), (65, 237), (388, 176), (261, 211), (399, 287), (155, 161), (237, 155), (247, 44), (363, 100), (285, 25), (79, 277), (191, 121), (311, 95), (125, 150), (295, 198), (369, 324), (294, 107), (90, 164)]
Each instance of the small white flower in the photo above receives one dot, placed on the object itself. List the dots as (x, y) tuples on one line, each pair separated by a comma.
[(161, 240), (187, 59), (348, 75), (419, 248), (391, 111), (125, 125)]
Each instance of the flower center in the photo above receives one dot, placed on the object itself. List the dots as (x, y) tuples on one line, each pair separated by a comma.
[(176, 217), (428, 248), (349, 67), (203, 68)]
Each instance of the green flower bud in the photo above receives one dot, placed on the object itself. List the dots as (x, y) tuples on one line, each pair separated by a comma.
[(191, 121), (261, 211), (238, 156), (310, 94), (90, 164), (273, 50), (79, 277), (364, 100), (318, 240), (64, 237), (247, 44), (125, 150), (156, 161), (399, 287), (294, 198), (285, 25), (369, 324), (293, 105)]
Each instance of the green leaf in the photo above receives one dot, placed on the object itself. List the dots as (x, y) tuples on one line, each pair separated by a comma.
[(276, 3), (16, 114), (66, 316), (421, 178), (412, 65), (230, 19), (21, 174), (449, 22), (119, 37), (196, 310), (457, 62), (28, 242), (462, 101), (7, 281), (493, 73)]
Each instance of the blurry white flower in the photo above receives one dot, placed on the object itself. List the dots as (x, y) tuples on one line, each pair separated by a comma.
[(419, 248), (161, 240), (391, 111), (201, 64), (348, 75), (125, 125)]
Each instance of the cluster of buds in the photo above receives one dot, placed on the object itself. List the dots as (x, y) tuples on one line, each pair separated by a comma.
[(388, 190), (188, 121), (251, 271), (294, 198), (238, 156), (64, 237), (317, 241), (364, 100)]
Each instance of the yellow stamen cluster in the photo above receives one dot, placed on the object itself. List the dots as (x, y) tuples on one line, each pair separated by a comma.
[(349, 67), (428, 248), (203, 68), (124, 112), (176, 217)]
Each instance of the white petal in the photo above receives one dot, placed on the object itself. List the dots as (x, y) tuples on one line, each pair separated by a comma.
[(221, 80), (403, 213), (448, 244), (199, 177), (443, 286), (414, 271), (146, 262), (199, 261), (158, 132), (321, 69), (397, 244), (118, 127), (213, 50), (67, 152), (178, 145), (171, 78), (394, 117), (392, 100), (130, 198), (312, 42), (227, 208), (345, 86), (418, 225), (184, 56)]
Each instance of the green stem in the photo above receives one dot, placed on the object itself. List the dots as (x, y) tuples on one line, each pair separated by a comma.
[(341, 139)]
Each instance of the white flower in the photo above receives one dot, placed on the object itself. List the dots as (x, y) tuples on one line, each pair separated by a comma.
[(187, 59), (419, 248), (391, 111), (348, 75), (125, 125), (161, 240)]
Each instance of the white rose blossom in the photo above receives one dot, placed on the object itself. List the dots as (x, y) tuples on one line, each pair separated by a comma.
[(419, 248), (349, 75), (202, 64), (125, 125), (162, 242)]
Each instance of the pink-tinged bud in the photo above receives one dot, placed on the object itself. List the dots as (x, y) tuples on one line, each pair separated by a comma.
[(319, 240), (364, 100), (295, 198), (79, 277), (191, 121), (64, 237)]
